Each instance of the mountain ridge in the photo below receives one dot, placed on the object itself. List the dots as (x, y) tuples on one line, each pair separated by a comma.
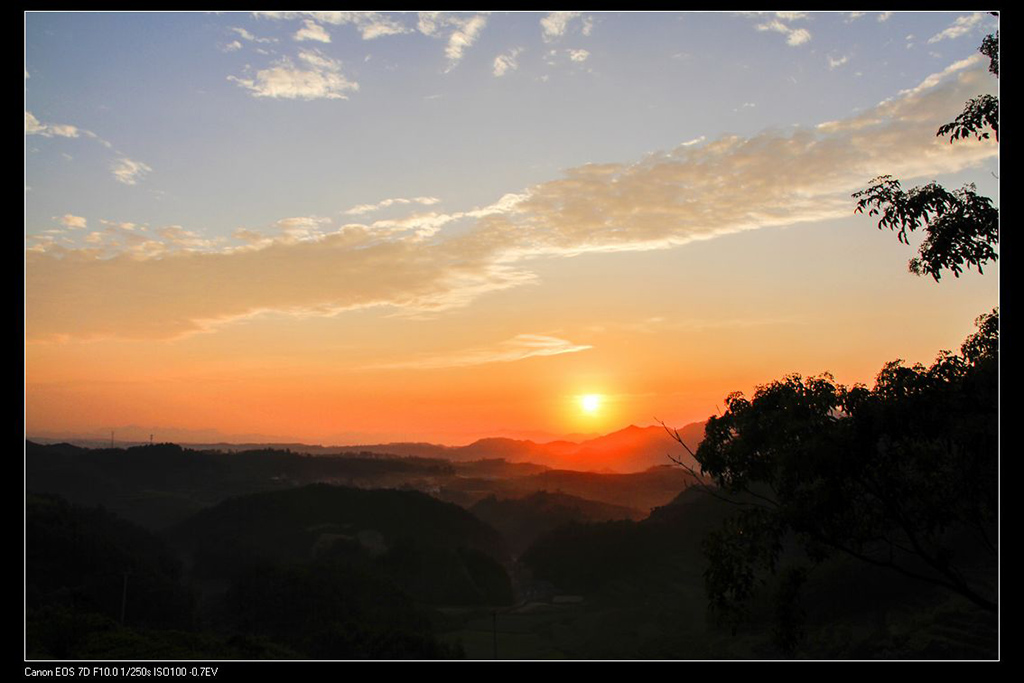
[(630, 449)]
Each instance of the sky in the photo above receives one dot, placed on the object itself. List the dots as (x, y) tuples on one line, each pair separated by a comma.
[(358, 227)]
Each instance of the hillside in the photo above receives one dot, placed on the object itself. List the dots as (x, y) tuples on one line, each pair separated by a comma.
[(436, 551), (522, 520)]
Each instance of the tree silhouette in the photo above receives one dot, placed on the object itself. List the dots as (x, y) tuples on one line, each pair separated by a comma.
[(902, 476), (962, 227)]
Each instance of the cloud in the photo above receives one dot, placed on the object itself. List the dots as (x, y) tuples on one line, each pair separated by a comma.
[(233, 46), (464, 37), (367, 208), (319, 78), (122, 225), (62, 130), (579, 55), (778, 24), (34, 127), (506, 62), (370, 24), (666, 199), (312, 31), (740, 183), (961, 26), (463, 31), (375, 25), (884, 16), (74, 293), (520, 347), (554, 25), (794, 36), (834, 62), (302, 228), (245, 35), (72, 222), (187, 239), (129, 172)]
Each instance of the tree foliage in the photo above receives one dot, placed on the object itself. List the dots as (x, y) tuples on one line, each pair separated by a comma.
[(990, 48), (979, 113), (902, 476), (961, 227)]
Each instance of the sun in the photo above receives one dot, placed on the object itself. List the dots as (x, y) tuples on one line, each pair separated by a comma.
[(590, 403)]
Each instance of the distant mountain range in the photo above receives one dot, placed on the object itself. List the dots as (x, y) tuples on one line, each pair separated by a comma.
[(633, 449)]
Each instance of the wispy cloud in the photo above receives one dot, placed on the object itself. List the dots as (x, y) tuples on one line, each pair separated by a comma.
[(555, 24), (34, 127), (370, 24), (246, 35), (300, 228), (463, 37), (506, 62), (462, 31), (187, 239), (778, 22), (670, 198), (520, 347), (318, 77), (312, 31), (384, 203), (579, 55), (836, 62), (794, 36), (375, 25), (962, 26), (129, 172), (71, 221)]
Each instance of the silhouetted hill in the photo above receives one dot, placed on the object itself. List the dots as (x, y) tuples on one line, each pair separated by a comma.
[(98, 587), (632, 449), (522, 520), (158, 485), (666, 546), (436, 551), (161, 484)]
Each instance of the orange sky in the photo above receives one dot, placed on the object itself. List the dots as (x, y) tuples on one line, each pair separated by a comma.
[(665, 336)]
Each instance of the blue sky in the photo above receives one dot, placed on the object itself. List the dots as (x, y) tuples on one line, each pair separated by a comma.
[(169, 91)]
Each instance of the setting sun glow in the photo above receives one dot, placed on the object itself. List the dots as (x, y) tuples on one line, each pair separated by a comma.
[(590, 403)]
